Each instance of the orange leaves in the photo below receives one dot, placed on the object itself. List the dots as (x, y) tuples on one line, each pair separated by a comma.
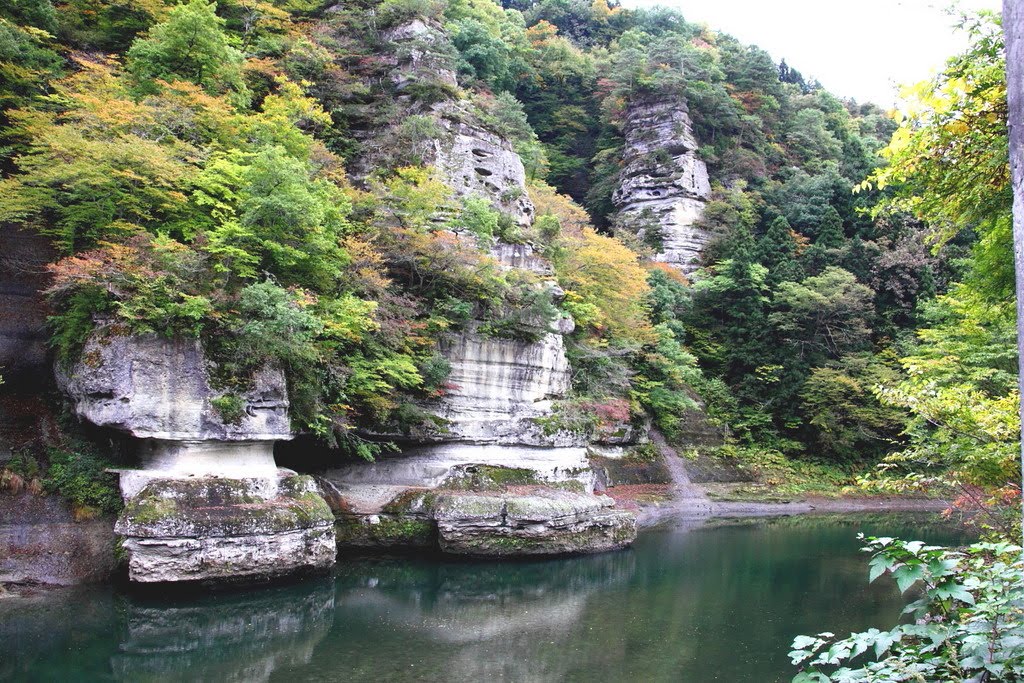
[(672, 272), (366, 266), (104, 266), (541, 32)]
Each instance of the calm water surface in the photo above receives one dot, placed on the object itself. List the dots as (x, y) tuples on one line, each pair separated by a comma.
[(718, 603)]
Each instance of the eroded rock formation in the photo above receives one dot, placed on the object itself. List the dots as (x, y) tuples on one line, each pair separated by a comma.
[(471, 158), (547, 522), (663, 185), (226, 529), (500, 386), (156, 388), (208, 502), (501, 389), (477, 162)]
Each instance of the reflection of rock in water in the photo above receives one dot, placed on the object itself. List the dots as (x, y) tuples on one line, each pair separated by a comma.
[(37, 632), (231, 637), (480, 624)]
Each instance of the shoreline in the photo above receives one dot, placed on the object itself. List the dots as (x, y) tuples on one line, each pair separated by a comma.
[(687, 512), (689, 509)]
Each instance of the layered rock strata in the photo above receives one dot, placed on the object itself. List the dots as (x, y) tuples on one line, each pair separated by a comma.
[(208, 502), (483, 510), (499, 387), (548, 522), (226, 529), (663, 186), (41, 541), (500, 390)]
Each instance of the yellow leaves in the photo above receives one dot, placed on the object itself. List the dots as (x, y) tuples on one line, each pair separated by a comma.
[(948, 158), (366, 266), (542, 32), (572, 218), (415, 197), (610, 283), (348, 318)]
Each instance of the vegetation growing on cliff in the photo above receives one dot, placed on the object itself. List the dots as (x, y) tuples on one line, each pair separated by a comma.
[(257, 175)]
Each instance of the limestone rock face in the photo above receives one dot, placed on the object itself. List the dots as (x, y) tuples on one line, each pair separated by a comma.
[(208, 502), (500, 390), (157, 388), (470, 158), (218, 529), (416, 57), (470, 516), (522, 257), (499, 386), (663, 185), (431, 466), (475, 162)]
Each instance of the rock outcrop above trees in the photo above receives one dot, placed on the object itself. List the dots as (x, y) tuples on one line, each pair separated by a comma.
[(663, 186)]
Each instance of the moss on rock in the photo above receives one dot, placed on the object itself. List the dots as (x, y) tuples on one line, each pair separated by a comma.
[(490, 478), (385, 531)]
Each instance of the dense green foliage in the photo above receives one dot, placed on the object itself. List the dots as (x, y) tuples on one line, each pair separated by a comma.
[(192, 160), (73, 470), (948, 166), (969, 620)]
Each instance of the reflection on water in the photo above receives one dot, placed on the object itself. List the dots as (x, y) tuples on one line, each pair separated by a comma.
[(718, 603), (242, 638)]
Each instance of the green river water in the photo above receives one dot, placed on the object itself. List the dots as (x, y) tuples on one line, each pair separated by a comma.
[(720, 602)]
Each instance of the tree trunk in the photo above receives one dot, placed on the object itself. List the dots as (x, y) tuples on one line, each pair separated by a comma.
[(1013, 28)]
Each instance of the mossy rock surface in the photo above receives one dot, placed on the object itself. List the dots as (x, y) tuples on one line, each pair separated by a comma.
[(490, 478), (608, 530), (627, 471), (544, 522), (212, 507), (385, 531)]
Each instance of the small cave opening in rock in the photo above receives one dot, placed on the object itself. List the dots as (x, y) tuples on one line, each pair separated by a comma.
[(483, 171)]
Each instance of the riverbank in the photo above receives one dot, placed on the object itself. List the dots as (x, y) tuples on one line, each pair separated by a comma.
[(684, 499), (655, 503)]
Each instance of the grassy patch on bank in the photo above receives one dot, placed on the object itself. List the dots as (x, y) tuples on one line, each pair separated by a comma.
[(771, 476)]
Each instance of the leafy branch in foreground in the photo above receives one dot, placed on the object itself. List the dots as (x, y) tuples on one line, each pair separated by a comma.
[(968, 621)]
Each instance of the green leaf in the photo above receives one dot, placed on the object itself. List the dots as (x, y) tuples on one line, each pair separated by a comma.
[(878, 565)]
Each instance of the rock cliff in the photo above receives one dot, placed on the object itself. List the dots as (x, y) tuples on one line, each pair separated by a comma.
[(226, 529), (41, 541), (472, 159), (663, 186), (25, 415), (152, 387), (500, 388)]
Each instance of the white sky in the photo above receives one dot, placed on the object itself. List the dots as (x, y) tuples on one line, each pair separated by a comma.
[(856, 48)]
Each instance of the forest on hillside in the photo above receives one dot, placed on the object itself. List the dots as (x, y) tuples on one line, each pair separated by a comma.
[(243, 172), (271, 185)]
